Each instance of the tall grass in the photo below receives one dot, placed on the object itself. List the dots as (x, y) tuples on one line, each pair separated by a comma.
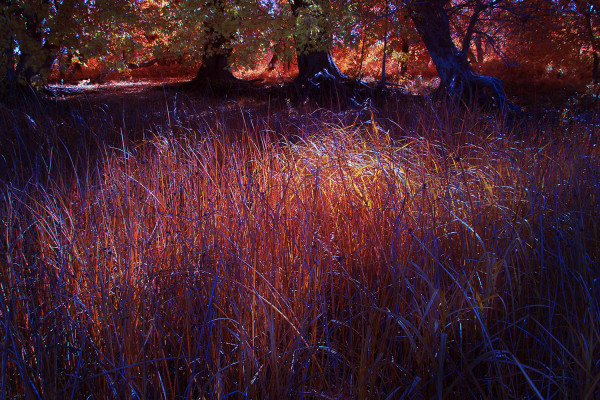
[(223, 252)]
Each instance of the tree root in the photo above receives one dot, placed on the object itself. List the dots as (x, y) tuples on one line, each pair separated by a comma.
[(485, 90), (329, 87)]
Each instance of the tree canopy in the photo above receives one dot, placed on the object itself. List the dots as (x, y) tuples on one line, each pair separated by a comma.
[(219, 35)]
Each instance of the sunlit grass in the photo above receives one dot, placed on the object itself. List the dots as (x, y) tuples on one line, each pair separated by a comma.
[(459, 258)]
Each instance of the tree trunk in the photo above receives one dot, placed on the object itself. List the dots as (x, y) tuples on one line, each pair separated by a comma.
[(479, 49), (592, 40), (30, 49), (7, 72), (215, 67), (273, 62), (595, 67), (456, 76), (385, 43), (404, 62), (315, 63)]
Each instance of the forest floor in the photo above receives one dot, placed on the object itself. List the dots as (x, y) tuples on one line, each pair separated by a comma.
[(166, 243)]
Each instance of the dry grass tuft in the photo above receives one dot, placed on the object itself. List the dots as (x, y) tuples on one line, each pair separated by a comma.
[(378, 256)]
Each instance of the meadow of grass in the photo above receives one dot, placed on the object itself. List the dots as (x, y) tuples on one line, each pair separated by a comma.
[(174, 248)]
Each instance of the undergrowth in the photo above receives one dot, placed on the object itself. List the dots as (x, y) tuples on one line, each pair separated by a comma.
[(223, 252)]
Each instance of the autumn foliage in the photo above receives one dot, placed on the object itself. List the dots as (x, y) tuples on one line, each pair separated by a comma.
[(373, 40)]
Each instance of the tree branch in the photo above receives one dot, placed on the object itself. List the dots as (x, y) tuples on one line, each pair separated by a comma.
[(466, 44)]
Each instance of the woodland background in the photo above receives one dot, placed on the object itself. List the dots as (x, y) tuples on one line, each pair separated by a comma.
[(529, 41)]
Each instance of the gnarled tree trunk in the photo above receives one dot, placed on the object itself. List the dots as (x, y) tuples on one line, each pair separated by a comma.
[(315, 64), (456, 76)]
